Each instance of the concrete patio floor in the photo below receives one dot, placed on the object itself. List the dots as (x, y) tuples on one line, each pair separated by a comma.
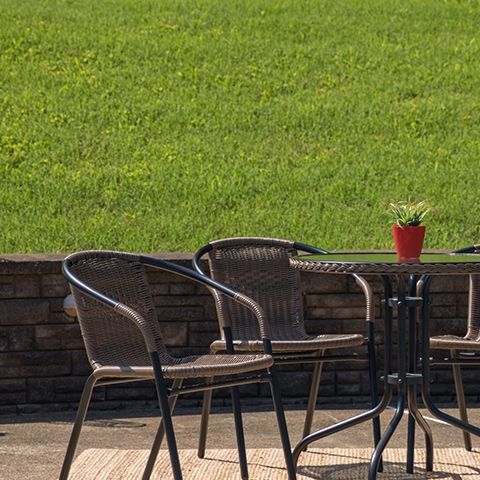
[(32, 446)]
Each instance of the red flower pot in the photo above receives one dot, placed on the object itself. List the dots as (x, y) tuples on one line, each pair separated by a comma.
[(408, 241)]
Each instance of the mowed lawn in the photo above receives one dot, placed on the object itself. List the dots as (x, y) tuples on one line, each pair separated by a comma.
[(160, 125)]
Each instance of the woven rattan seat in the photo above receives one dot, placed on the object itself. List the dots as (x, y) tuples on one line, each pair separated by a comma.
[(461, 348), (260, 268), (123, 342)]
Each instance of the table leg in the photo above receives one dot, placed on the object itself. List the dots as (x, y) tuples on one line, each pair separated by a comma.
[(417, 416), (338, 427), (412, 332), (406, 381), (413, 302), (374, 412), (377, 454), (400, 378)]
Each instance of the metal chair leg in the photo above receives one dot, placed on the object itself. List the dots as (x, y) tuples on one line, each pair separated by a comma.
[(166, 417), (312, 399), (462, 406), (79, 420), (157, 443), (282, 425), (237, 414), (207, 402), (377, 433)]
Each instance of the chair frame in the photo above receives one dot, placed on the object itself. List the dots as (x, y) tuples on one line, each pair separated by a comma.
[(290, 355), (167, 396), (463, 350)]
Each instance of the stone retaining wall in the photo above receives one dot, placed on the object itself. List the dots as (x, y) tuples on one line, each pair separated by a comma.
[(43, 365)]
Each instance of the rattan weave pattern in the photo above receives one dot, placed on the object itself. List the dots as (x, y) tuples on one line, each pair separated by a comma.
[(461, 348), (259, 267), (471, 340), (381, 268), (113, 340), (110, 338), (123, 340)]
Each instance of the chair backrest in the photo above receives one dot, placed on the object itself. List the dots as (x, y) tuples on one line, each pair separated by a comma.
[(473, 331), (110, 338), (473, 327), (259, 268)]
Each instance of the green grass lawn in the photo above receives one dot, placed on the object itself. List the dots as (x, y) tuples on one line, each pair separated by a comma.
[(160, 125)]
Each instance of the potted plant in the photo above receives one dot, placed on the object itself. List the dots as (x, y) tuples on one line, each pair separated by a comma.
[(408, 233)]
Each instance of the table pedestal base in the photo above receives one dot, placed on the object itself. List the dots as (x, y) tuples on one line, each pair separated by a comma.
[(406, 383)]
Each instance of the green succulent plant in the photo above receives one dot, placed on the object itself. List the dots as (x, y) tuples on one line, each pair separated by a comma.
[(409, 214)]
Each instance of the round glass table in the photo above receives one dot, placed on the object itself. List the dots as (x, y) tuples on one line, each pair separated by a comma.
[(406, 379)]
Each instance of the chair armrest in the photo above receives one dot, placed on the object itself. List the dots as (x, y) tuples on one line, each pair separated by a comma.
[(197, 257), (470, 249), (369, 299)]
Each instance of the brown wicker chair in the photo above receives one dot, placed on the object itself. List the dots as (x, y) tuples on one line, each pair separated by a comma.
[(466, 349), (260, 268), (122, 338)]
